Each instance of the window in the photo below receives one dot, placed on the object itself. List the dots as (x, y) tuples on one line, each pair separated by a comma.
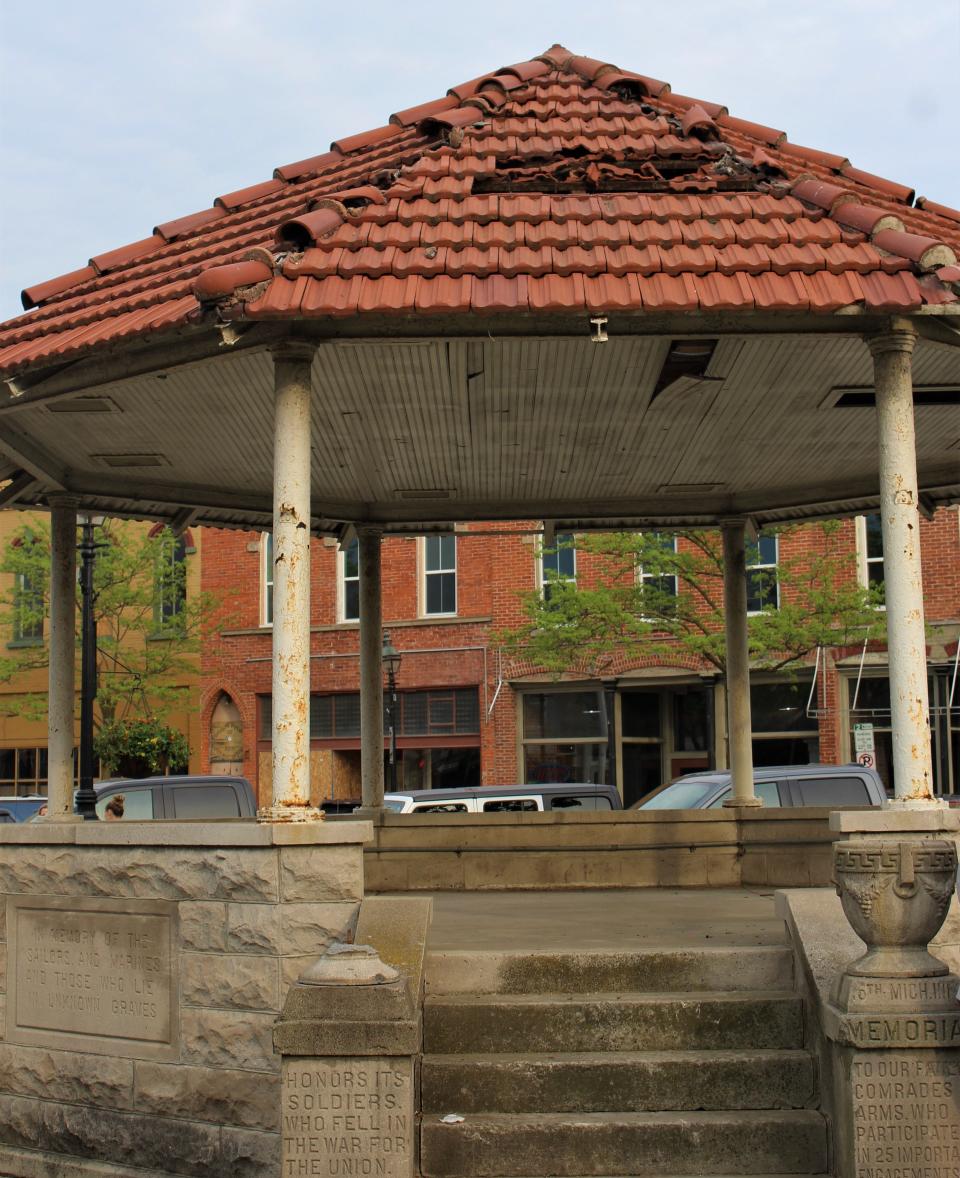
[(170, 581), (763, 589), (565, 737), (451, 712), (783, 733), (266, 579), (558, 563), (28, 609), (440, 574), (653, 577), (870, 554), (349, 561)]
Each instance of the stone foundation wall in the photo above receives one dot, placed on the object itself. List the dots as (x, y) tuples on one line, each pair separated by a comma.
[(248, 906)]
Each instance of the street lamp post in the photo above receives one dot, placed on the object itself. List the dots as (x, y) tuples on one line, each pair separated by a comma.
[(391, 662), (86, 795)]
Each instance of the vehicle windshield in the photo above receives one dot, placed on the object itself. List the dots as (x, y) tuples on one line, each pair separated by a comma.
[(680, 795)]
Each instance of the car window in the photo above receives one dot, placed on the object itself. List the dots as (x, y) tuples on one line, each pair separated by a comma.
[(766, 791), (394, 805), (205, 801), (681, 795), (509, 805), (831, 791), (137, 803), (440, 807), (580, 802), (6, 816)]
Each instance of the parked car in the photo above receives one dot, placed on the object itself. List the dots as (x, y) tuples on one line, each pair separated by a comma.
[(180, 797), (22, 807), (776, 785), (504, 799)]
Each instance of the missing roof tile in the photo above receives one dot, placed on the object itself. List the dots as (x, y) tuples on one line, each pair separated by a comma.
[(866, 398), (686, 358)]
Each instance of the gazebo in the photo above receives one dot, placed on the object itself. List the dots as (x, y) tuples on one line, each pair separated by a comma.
[(559, 292)]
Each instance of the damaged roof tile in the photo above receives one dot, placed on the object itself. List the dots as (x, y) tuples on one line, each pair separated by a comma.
[(558, 184)]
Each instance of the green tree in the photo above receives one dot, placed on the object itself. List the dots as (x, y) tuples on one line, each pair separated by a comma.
[(149, 630), (650, 597)]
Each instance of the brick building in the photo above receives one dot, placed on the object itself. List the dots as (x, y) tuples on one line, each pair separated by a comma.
[(469, 715)]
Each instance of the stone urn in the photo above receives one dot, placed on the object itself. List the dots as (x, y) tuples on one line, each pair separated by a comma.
[(896, 896)]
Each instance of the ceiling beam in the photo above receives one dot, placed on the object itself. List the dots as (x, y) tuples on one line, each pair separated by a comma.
[(33, 458)]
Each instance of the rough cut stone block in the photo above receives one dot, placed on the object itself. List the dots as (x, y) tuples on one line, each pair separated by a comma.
[(288, 929), (124, 1139), (175, 873), (224, 1039), (203, 926), (249, 1100), (228, 980), (3, 967), (67, 1076), (251, 1155), (321, 873)]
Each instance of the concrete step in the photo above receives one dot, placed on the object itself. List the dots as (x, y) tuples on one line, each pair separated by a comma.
[(565, 1145), (589, 1082), (753, 967), (467, 1024)]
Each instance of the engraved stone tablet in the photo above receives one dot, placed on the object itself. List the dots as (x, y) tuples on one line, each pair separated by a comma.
[(906, 1113), (93, 975), (347, 1116)]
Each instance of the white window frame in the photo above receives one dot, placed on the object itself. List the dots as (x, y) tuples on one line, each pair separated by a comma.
[(863, 560), (424, 573), (342, 586), (760, 566), (559, 538), (266, 579)]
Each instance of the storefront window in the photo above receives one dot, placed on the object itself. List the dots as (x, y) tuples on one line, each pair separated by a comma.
[(563, 713), (783, 733), (552, 763), (565, 736)]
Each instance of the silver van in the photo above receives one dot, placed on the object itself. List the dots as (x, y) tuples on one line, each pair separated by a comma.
[(776, 785), (504, 799)]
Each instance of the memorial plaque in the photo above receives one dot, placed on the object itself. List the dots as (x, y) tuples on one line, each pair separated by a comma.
[(906, 1114), (347, 1116), (93, 975)]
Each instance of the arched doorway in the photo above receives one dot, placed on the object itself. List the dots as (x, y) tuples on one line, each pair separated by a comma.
[(226, 738)]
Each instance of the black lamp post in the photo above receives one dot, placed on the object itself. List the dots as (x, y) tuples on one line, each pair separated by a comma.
[(86, 795), (391, 662)]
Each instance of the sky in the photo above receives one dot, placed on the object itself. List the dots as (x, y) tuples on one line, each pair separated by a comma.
[(117, 115)]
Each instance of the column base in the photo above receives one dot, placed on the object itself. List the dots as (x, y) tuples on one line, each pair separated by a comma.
[(298, 814)]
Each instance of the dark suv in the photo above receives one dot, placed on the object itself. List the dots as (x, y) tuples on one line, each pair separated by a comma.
[(167, 798), (776, 785)]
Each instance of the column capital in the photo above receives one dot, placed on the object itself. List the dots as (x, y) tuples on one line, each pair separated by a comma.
[(733, 522), (65, 501), (293, 351), (900, 336)]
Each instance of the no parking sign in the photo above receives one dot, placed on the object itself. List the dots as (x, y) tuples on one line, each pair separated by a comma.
[(863, 745)]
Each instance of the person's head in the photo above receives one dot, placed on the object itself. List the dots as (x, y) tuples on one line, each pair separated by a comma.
[(114, 808), (42, 812)]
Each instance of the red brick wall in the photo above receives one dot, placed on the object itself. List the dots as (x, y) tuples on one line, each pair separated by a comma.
[(493, 569)]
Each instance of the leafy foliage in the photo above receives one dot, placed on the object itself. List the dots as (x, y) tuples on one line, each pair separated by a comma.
[(141, 747), (647, 598), (148, 628)]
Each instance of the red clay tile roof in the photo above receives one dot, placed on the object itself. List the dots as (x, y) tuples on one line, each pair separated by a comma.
[(558, 184)]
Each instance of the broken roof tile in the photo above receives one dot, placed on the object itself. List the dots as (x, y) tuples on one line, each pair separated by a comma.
[(223, 280), (829, 292)]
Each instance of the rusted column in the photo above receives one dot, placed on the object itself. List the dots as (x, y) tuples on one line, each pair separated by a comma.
[(61, 688), (291, 587), (900, 521), (739, 735), (371, 673)]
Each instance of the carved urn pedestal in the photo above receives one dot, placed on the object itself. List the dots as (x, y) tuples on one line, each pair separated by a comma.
[(894, 1016)]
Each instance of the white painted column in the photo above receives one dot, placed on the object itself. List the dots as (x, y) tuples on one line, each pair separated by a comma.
[(739, 728), (371, 672), (900, 521), (61, 689), (291, 586)]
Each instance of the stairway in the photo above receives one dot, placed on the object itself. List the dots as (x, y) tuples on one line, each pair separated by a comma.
[(654, 1062)]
